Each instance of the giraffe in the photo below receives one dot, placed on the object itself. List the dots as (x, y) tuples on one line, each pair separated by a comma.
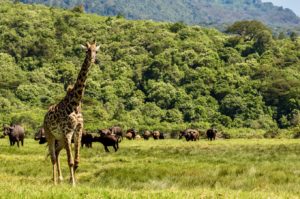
[(64, 120)]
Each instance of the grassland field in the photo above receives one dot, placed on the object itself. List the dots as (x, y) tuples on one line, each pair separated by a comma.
[(235, 168)]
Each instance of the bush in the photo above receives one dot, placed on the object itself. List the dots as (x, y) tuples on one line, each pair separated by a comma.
[(271, 133), (245, 133), (296, 132), (223, 135)]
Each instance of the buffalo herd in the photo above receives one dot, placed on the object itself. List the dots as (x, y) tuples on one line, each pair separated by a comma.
[(108, 137)]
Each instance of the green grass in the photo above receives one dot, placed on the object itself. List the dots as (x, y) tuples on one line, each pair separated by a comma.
[(235, 168)]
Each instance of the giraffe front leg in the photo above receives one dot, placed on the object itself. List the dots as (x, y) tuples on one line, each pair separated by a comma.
[(68, 141)]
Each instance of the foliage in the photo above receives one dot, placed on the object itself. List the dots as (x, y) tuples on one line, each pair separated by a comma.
[(150, 75), (252, 31)]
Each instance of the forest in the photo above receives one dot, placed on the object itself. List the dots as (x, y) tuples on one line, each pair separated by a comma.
[(149, 75), (210, 13)]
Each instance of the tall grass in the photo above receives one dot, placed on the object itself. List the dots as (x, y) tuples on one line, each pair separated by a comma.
[(158, 169)]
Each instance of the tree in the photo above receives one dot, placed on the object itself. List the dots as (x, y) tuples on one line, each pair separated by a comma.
[(173, 116), (176, 27), (11, 75), (281, 36), (163, 94), (248, 30), (78, 9), (252, 31), (263, 42), (293, 36)]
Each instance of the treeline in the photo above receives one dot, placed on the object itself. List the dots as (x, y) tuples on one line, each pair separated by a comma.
[(150, 75), (213, 13)]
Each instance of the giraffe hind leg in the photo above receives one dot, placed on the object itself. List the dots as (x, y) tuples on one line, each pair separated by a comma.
[(59, 146), (68, 142), (51, 146)]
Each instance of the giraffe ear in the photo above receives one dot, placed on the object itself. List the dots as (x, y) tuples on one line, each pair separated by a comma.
[(83, 47), (97, 48)]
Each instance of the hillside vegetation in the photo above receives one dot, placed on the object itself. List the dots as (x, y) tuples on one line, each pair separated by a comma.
[(215, 13), (149, 75)]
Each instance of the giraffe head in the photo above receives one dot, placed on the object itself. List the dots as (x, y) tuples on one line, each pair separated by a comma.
[(91, 50)]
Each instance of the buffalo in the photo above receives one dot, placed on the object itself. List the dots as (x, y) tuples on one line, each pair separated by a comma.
[(147, 134), (190, 134), (117, 131), (161, 136), (130, 134), (15, 133), (104, 132), (108, 140), (87, 139), (156, 135), (211, 134), (40, 135), (138, 137)]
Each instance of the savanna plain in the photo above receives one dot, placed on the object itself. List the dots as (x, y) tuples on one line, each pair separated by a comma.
[(235, 168)]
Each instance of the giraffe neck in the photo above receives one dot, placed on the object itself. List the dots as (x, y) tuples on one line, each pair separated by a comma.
[(74, 97)]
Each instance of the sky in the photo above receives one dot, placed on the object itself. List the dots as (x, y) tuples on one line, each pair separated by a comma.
[(292, 4)]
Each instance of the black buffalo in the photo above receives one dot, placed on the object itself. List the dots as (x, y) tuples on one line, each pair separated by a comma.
[(211, 134), (40, 136), (87, 139)]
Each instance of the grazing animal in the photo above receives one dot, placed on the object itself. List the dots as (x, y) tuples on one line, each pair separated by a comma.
[(108, 140), (138, 137), (189, 134), (87, 139), (129, 136), (133, 133), (161, 136), (117, 131), (15, 133), (195, 135), (64, 120), (103, 132), (147, 134), (211, 134), (40, 136), (156, 135)]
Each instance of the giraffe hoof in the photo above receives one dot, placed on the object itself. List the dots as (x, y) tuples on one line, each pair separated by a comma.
[(72, 182), (75, 167), (60, 179)]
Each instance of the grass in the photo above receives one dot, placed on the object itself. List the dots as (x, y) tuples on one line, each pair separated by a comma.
[(236, 168)]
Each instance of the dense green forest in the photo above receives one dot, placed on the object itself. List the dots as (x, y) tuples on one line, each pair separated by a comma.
[(213, 13), (149, 74)]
